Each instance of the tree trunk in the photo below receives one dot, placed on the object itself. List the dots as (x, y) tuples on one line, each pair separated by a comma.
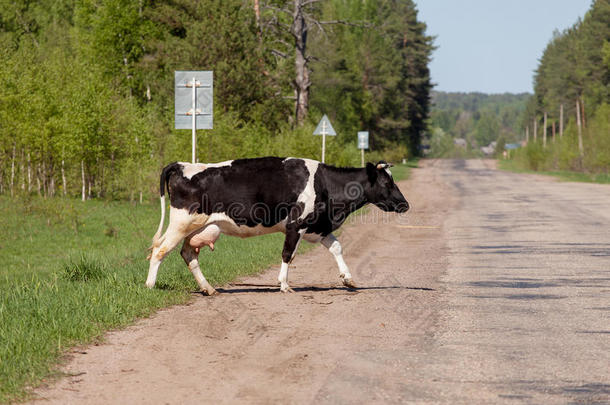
[(561, 121), (13, 172), (63, 177), (38, 179), (535, 129), (544, 131), (44, 179), (527, 134), (582, 113), (581, 149), (302, 83), (29, 173), (257, 15), (553, 131), (52, 185), (101, 191), (82, 172), (22, 170)]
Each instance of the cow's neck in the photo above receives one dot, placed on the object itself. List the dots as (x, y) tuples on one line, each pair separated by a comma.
[(346, 188)]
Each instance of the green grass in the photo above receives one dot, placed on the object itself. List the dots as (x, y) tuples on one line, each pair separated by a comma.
[(401, 171), (71, 270), (564, 175)]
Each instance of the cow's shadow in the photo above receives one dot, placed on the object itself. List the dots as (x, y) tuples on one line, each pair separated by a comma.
[(270, 288)]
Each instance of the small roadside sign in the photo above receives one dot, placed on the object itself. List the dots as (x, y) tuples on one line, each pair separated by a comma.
[(204, 99), (324, 128), (363, 139), (193, 102), (363, 143)]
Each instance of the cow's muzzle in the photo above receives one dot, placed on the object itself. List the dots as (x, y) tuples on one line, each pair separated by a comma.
[(402, 207)]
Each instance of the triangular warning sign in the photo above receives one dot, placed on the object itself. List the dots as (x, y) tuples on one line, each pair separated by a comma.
[(324, 127)]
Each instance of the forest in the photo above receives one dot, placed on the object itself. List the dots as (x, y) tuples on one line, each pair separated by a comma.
[(567, 122), (86, 87)]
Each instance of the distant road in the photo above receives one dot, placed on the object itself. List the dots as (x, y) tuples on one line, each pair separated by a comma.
[(494, 288)]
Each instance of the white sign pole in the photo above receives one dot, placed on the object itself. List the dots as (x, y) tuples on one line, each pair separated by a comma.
[(194, 111), (323, 140)]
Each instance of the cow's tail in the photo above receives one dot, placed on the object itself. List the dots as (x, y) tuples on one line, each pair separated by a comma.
[(163, 184)]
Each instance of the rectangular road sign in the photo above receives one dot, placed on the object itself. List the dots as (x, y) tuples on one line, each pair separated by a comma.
[(204, 101), (363, 139)]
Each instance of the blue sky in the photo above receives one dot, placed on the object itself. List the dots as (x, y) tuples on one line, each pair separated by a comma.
[(493, 46)]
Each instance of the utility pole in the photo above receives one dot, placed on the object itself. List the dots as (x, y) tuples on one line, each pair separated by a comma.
[(561, 121), (544, 131), (579, 124)]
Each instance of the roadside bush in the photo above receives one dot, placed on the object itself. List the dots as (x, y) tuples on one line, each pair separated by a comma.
[(563, 153), (597, 157), (393, 153)]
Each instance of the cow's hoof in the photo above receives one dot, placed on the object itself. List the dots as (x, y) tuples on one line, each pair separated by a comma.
[(286, 289), (349, 283), (210, 292)]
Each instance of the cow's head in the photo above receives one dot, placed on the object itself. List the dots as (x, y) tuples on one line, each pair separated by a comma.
[(382, 190)]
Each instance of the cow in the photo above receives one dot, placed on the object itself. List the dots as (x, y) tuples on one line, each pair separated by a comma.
[(302, 198)]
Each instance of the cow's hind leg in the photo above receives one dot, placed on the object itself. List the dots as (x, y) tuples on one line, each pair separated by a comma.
[(170, 239), (291, 244), (334, 247), (190, 255)]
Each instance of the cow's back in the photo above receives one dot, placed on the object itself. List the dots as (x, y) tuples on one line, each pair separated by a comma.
[(250, 191)]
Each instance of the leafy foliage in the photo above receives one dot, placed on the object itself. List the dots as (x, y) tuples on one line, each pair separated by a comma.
[(475, 117), (86, 87), (374, 73), (574, 68)]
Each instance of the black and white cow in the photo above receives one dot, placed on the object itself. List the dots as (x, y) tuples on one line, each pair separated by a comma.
[(247, 197)]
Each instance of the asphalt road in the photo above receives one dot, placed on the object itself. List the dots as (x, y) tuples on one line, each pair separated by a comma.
[(494, 288), (526, 302)]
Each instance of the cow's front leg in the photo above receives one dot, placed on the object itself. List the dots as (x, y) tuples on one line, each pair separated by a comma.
[(334, 247), (291, 244), (190, 255)]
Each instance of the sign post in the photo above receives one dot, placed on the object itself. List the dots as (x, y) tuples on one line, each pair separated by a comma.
[(194, 85), (194, 103), (324, 128), (363, 143)]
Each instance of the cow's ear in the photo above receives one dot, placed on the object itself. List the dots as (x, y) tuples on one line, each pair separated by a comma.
[(382, 164), (371, 172)]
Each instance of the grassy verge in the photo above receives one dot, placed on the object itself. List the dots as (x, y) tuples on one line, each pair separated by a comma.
[(401, 171), (564, 175), (70, 270)]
